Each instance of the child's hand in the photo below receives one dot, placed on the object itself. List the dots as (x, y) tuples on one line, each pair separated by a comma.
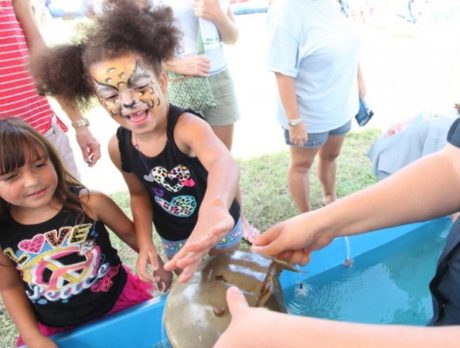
[(165, 278), (206, 234), (147, 256), (41, 341)]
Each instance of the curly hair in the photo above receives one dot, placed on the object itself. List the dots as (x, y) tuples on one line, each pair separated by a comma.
[(123, 28)]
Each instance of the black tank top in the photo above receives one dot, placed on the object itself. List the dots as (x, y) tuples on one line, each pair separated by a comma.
[(175, 181), (71, 272)]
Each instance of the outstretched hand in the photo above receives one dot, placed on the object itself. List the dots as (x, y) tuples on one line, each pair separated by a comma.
[(291, 240), (195, 249)]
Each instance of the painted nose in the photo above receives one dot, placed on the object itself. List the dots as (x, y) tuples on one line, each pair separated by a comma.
[(129, 105), (127, 100)]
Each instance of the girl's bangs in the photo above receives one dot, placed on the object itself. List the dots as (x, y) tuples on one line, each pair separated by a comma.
[(19, 148)]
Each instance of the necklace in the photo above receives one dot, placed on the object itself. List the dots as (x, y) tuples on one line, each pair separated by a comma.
[(139, 153), (135, 142)]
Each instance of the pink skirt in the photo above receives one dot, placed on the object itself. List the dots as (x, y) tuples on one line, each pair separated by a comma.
[(135, 291)]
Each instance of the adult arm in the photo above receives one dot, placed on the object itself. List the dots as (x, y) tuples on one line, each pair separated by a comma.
[(423, 190), (223, 18), (283, 60), (287, 93), (197, 65), (18, 306), (24, 14), (195, 137), (361, 83), (89, 146), (272, 329)]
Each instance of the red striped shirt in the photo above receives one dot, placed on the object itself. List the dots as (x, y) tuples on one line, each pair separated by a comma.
[(18, 95)]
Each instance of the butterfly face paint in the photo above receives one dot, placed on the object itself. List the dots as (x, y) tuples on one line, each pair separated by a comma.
[(126, 86)]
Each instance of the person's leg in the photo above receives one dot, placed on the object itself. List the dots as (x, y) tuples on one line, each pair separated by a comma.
[(298, 176), (327, 166), (225, 134)]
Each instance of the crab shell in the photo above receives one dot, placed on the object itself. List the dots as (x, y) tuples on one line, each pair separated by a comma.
[(196, 313)]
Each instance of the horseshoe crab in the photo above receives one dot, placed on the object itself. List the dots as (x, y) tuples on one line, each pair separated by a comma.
[(196, 313)]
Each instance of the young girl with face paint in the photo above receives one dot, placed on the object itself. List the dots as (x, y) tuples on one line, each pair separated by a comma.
[(58, 268), (179, 174)]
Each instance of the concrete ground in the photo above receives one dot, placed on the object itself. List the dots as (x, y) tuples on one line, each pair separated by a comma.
[(407, 68)]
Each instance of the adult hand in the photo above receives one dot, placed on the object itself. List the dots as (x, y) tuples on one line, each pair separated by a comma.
[(90, 147), (249, 327), (292, 240), (208, 9), (298, 135), (199, 244), (193, 66)]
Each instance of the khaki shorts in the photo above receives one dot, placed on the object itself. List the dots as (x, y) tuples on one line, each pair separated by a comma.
[(226, 112)]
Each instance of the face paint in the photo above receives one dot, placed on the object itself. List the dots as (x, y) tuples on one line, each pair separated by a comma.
[(124, 85)]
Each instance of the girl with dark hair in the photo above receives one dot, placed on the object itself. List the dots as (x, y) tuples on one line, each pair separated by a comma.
[(179, 174), (58, 268)]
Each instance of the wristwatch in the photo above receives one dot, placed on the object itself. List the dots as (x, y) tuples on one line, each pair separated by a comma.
[(294, 122), (81, 122)]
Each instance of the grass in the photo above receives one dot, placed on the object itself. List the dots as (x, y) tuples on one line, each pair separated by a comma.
[(266, 198)]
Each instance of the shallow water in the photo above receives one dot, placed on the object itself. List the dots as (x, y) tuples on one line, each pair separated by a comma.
[(387, 285)]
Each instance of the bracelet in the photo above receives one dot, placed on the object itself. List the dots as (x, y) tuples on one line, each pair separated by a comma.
[(294, 122), (81, 122)]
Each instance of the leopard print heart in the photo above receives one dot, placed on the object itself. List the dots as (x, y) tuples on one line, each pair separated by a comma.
[(180, 206), (172, 181)]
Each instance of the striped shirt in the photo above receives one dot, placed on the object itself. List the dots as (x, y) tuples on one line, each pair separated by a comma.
[(18, 95)]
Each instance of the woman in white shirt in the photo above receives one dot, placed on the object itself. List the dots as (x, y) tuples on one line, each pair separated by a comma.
[(214, 21), (313, 51), (212, 16)]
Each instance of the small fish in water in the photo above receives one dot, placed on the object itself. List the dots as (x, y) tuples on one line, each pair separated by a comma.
[(302, 290)]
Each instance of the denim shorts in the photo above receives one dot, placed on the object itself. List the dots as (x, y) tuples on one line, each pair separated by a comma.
[(232, 239), (319, 139)]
